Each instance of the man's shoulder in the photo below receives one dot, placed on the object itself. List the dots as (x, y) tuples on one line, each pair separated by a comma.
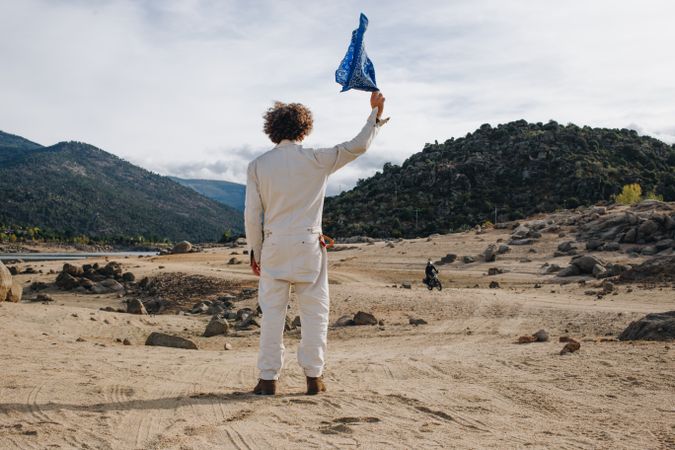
[(261, 157)]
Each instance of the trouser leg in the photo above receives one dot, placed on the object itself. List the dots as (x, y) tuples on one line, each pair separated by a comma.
[(314, 305), (273, 297)]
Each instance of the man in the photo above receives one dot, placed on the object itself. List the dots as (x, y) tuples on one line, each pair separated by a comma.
[(285, 190), (430, 272)]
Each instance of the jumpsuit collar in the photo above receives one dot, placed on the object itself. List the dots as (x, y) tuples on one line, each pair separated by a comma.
[(285, 142)]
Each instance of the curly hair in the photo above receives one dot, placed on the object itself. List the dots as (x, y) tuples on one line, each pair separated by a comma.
[(291, 121)]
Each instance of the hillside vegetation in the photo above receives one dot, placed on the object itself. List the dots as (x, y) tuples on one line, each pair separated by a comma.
[(73, 188), (516, 169)]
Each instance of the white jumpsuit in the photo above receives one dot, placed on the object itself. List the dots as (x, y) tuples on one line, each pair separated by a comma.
[(285, 190)]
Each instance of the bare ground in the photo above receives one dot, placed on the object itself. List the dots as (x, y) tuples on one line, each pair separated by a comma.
[(458, 382)]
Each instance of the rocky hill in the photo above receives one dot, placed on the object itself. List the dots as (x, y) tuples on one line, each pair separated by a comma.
[(73, 188), (225, 192), (509, 171)]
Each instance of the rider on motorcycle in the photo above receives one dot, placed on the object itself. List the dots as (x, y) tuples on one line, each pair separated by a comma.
[(430, 272)]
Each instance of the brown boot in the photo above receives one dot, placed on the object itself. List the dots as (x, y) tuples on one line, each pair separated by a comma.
[(315, 385), (265, 387)]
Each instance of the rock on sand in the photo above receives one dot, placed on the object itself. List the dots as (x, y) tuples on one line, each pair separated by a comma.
[(167, 340)]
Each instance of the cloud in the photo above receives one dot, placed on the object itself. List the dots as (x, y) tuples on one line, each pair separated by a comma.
[(179, 86)]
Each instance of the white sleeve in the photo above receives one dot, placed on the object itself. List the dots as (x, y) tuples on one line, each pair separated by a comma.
[(253, 213), (334, 158)]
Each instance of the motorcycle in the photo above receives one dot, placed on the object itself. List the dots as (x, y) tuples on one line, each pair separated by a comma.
[(433, 282)]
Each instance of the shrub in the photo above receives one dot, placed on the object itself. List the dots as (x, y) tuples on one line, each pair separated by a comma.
[(630, 194), (653, 196)]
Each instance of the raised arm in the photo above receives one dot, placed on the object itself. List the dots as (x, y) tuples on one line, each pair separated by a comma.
[(336, 157), (253, 218)]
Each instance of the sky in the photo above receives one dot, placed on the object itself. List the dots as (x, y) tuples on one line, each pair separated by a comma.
[(179, 86)]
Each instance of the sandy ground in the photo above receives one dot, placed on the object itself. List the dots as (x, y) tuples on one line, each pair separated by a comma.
[(458, 382)]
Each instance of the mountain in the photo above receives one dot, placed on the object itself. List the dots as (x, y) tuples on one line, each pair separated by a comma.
[(73, 188), (518, 168), (12, 146), (226, 192)]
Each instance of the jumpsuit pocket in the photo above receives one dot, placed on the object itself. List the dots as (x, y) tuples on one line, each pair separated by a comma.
[(307, 259), (274, 261)]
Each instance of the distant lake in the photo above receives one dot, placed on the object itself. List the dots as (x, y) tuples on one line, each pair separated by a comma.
[(70, 255)]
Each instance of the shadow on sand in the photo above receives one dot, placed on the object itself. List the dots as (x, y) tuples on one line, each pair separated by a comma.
[(153, 403)]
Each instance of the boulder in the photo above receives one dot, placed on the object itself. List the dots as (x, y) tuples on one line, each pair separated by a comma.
[(657, 269), (216, 309), (417, 322), (571, 347), (552, 268), (449, 258), (503, 248), (521, 232), (630, 236), (167, 340), (527, 241), (135, 306), (664, 244), (200, 307), (566, 247), (406, 285), (494, 285), (364, 318), (615, 269), (86, 283), (594, 244), (541, 335), (490, 253), (344, 321), (648, 250), (527, 339), (248, 322), (586, 263), (66, 281), (111, 270), (599, 271), (244, 313), (537, 224), (652, 327), (5, 281), (72, 269), (216, 326), (468, 259), (112, 285), (647, 229), (182, 247), (128, 277), (494, 271), (569, 271), (611, 247)]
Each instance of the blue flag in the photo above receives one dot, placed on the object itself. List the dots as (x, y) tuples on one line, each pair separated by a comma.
[(356, 70)]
